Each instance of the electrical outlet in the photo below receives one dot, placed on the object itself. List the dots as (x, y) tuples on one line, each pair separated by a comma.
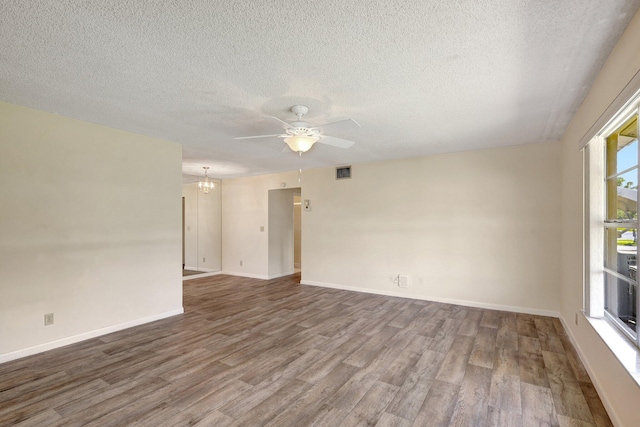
[(48, 319), (204, 259), (403, 281), (262, 228), (240, 263)]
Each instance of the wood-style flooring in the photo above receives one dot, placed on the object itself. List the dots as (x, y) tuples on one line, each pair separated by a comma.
[(190, 272), (251, 352)]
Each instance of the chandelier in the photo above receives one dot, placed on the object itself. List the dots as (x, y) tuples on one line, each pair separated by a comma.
[(206, 186)]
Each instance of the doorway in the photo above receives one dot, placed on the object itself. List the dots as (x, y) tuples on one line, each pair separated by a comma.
[(282, 232)]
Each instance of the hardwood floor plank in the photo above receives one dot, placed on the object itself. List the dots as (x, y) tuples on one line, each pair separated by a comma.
[(490, 319), (368, 351), (532, 369), (266, 410), (390, 420), (505, 382), (47, 417), (507, 336), (502, 418), (73, 390), (472, 405), (413, 391), (599, 413), (505, 393), (470, 323), (214, 418), (567, 395), (397, 373), (537, 406), (437, 408), (115, 403), (305, 409), (271, 352), (454, 365), (565, 421), (526, 326), (352, 391), (201, 410), (328, 416), (445, 335), (371, 406), (483, 351)]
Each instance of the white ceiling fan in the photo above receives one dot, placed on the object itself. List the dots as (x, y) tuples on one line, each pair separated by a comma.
[(300, 136)]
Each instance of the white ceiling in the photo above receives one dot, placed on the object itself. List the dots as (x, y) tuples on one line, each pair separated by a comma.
[(420, 76)]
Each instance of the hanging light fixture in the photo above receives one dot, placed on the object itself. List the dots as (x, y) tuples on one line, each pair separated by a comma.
[(301, 143), (206, 186)]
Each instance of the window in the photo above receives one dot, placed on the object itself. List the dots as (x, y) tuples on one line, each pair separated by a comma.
[(621, 226), (611, 166)]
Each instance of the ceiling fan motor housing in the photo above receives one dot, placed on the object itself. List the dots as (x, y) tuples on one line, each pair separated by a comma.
[(300, 110)]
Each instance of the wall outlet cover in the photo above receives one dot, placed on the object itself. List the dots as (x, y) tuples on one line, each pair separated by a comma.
[(403, 281)]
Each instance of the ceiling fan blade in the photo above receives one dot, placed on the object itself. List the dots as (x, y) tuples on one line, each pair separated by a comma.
[(259, 136), (339, 121), (281, 121), (336, 142)]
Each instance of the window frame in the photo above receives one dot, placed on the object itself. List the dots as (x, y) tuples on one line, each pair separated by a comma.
[(596, 224)]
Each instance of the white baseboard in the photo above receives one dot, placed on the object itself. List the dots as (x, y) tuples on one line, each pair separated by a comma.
[(596, 384), (250, 275), (18, 354), (198, 276), (257, 276), (526, 310), (281, 275), (203, 270)]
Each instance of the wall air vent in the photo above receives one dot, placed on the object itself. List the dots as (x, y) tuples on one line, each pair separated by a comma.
[(343, 172)]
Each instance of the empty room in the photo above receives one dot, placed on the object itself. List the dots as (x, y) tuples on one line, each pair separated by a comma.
[(226, 213)]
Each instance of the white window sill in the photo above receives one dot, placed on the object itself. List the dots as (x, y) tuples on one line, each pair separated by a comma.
[(626, 352)]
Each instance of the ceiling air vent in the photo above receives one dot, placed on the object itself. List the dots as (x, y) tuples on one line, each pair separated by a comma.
[(343, 172)]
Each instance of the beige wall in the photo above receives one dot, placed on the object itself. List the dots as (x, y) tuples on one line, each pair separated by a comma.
[(89, 230), (245, 208), (478, 228), (619, 392)]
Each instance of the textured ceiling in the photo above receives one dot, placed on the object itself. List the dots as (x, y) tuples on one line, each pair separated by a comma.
[(420, 76)]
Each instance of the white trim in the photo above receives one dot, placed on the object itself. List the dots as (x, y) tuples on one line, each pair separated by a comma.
[(628, 93), (601, 393), (249, 275), (86, 335), (525, 310), (594, 217), (621, 224), (617, 174), (201, 275), (203, 270), (619, 276), (281, 275)]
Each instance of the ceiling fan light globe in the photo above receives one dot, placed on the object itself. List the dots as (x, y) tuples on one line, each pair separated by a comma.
[(301, 143)]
